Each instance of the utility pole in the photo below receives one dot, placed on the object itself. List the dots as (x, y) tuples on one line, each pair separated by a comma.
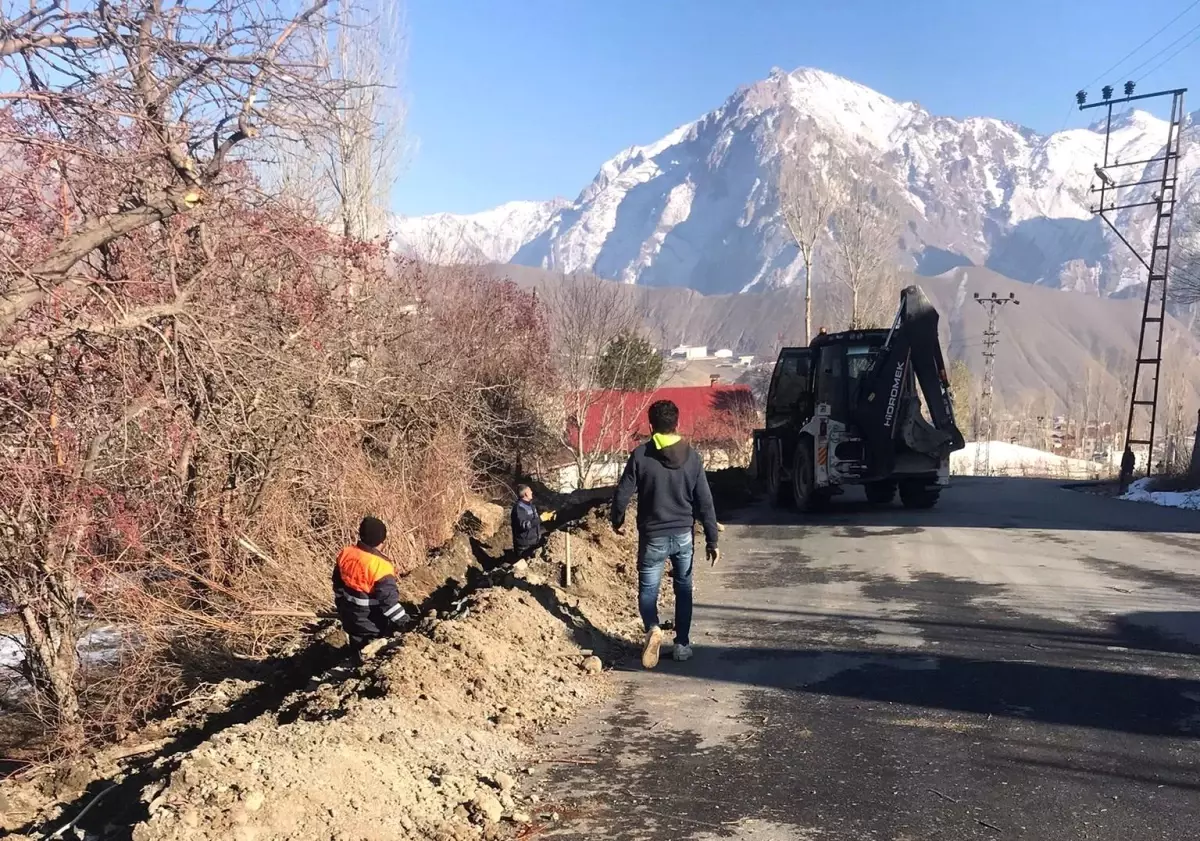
[(1143, 398), (991, 337)]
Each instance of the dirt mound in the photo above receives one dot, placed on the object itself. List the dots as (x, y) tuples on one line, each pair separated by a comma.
[(431, 737), (482, 519), (603, 574), (426, 741), (732, 488)]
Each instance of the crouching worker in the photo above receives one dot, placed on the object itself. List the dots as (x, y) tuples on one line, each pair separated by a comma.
[(528, 530), (365, 590)]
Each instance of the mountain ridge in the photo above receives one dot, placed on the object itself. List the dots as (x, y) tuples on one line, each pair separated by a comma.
[(699, 206)]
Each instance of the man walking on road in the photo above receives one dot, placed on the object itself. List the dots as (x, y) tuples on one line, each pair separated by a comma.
[(668, 478)]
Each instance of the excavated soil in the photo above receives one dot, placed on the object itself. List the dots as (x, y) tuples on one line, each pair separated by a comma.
[(431, 738), (426, 741)]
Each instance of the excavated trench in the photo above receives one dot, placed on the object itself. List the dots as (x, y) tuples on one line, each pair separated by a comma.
[(111, 806)]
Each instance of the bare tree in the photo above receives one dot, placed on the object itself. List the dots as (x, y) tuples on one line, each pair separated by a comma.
[(1177, 409), (808, 202), (866, 248), (169, 93), (586, 316), (1185, 246), (118, 119), (346, 165)]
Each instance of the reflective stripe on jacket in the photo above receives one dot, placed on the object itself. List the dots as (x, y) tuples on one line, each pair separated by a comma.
[(365, 592)]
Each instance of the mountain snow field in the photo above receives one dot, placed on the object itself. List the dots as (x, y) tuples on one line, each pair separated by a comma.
[(699, 207)]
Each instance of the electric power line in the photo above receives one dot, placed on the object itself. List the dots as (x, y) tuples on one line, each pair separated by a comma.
[(1135, 50), (1130, 73), (1169, 58), (1130, 54)]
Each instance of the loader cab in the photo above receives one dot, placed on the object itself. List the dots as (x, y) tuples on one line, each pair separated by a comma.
[(828, 371), (840, 362), (789, 399)]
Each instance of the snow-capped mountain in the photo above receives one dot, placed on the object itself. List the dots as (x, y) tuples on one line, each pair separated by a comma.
[(492, 236), (699, 208)]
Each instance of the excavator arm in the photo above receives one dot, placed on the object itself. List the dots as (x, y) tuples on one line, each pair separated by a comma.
[(887, 407)]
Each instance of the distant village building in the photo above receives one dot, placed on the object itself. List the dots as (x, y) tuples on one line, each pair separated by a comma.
[(746, 360), (717, 419), (724, 353), (691, 352)]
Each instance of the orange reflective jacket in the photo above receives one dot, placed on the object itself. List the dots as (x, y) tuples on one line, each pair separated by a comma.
[(366, 593)]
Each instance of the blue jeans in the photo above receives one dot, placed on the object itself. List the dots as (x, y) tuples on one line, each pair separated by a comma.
[(653, 553)]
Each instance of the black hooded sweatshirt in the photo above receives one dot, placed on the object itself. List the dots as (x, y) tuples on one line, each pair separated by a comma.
[(672, 492)]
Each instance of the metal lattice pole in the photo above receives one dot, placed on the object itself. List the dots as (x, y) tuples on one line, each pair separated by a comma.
[(1115, 197), (991, 337)]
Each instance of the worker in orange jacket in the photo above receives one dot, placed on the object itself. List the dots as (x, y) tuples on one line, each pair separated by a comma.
[(365, 590)]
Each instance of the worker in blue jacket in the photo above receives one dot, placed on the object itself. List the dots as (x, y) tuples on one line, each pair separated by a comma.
[(527, 524)]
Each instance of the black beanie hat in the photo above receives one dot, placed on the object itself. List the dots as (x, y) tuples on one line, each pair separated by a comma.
[(372, 532)]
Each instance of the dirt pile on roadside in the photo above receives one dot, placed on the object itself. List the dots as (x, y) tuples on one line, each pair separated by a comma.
[(431, 737), (604, 574), (425, 741)]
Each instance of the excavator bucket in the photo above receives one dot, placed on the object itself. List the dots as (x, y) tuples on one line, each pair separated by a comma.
[(886, 406)]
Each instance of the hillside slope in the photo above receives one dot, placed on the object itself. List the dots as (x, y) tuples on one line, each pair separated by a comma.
[(1055, 343)]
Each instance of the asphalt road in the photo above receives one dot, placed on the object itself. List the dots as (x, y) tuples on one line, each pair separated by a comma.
[(1021, 662)]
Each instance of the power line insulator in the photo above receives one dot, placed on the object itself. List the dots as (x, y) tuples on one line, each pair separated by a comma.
[(1106, 92), (1129, 88), (1081, 97)]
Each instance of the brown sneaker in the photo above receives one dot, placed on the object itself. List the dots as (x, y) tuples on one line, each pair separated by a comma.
[(650, 649)]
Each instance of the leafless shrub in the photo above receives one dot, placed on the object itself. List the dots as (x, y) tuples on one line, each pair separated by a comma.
[(202, 389), (727, 432), (586, 316)]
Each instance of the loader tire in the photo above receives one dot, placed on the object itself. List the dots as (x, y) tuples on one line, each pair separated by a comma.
[(804, 486), (779, 492), (919, 495), (880, 493)]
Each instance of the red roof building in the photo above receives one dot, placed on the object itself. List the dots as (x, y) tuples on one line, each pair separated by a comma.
[(616, 422)]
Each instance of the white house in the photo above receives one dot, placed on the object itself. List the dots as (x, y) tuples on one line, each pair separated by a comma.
[(724, 353), (745, 360), (691, 351)]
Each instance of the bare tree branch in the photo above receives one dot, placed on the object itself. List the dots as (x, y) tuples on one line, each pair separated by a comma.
[(866, 248), (808, 203), (78, 69)]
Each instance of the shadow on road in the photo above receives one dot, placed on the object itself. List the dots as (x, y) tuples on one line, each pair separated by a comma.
[(1049, 761), (1163, 632), (1127, 702), (976, 502), (1125, 678)]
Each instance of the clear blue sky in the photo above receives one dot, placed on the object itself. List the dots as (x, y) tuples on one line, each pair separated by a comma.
[(524, 99)]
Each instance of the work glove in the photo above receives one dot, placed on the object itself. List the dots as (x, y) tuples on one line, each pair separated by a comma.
[(714, 555), (548, 516), (618, 525)]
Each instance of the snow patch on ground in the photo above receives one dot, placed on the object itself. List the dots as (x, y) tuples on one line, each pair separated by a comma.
[(100, 645), (11, 652), (1140, 491), (1007, 459)]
